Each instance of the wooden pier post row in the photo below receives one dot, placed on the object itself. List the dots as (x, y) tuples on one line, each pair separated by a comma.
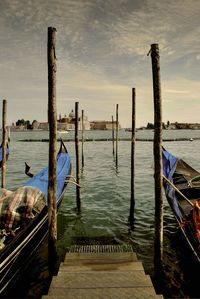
[(158, 252), (4, 144), (52, 119), (78, 201), (132, 201)]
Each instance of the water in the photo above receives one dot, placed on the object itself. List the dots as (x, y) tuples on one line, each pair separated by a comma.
[(105, 197)]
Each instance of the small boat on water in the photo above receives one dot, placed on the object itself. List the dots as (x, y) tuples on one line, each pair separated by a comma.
[(182, 188), (7, 154), (24, 219)]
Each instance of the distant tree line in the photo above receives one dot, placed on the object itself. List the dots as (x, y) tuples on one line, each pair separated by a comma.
[(175, 125), (26, 123), (150, 126)]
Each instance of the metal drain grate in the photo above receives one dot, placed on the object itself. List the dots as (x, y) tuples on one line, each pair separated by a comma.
[(99, 248)]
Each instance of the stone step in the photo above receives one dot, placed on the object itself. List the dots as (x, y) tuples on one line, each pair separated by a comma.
[(95, 265), (116, 257), (105, 293), (101, 279), (101, 272)]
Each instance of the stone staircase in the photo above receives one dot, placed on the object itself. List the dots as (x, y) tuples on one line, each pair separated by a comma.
[(101, 272)]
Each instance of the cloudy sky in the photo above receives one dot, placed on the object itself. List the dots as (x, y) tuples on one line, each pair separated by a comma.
[(101, 51)]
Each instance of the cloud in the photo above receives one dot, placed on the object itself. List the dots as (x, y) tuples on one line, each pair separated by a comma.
[(173, 91), (102, 51), (172, 24)]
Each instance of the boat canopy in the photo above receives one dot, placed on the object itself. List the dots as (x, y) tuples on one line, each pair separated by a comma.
[(169, 166), (40, 180)]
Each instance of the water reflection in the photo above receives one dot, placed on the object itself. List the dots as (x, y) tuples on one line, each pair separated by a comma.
[(105, 197)]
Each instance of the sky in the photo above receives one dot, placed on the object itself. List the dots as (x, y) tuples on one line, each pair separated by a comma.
[(101, 50)]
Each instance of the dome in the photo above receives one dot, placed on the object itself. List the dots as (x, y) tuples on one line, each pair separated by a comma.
[(72, 114)]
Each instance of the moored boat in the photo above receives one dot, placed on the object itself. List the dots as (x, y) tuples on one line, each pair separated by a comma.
[(182, 188), (24, 219)]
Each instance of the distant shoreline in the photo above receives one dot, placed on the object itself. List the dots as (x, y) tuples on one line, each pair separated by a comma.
[(122, 129), (110, 139)]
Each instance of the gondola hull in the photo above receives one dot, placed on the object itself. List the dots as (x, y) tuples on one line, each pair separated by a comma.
[(15, 256), (182, 188)]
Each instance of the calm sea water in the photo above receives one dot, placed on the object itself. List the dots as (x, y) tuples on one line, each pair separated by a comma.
[(105, 197)]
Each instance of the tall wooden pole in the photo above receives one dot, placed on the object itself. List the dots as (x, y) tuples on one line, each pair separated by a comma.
[(78, 201), (8, 132), (4, 144), (52, 119), (132, 201), (82, 138), (117, 131), (158, 252), (113, 136)]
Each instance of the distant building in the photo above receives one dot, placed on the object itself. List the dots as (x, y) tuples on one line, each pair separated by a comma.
[(102, 125), (68, 123), (17, 128), (43, 126)]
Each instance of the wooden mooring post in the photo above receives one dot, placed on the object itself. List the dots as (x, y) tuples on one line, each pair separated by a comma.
[(82, 127), (78, 200), (52, 119), (158, 252), (117, 132), (132, 201), (4, 144), (113, 136)]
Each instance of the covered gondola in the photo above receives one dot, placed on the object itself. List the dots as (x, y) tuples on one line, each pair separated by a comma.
[(182, 188), (24, 219)]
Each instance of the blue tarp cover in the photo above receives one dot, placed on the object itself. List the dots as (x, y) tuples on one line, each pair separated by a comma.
[(169, 166), (7, 152), (40, 180)]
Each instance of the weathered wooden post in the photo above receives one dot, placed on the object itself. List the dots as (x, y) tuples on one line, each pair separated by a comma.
[(113, 136), (4, 144), (132, 201), (8, 133), (158, 252), (82, 127), (78, 201), (52, 119), (117, 131)]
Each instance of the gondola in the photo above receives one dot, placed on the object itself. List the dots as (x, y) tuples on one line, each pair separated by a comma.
[(24, 219), (182, 188), (7, 153)]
